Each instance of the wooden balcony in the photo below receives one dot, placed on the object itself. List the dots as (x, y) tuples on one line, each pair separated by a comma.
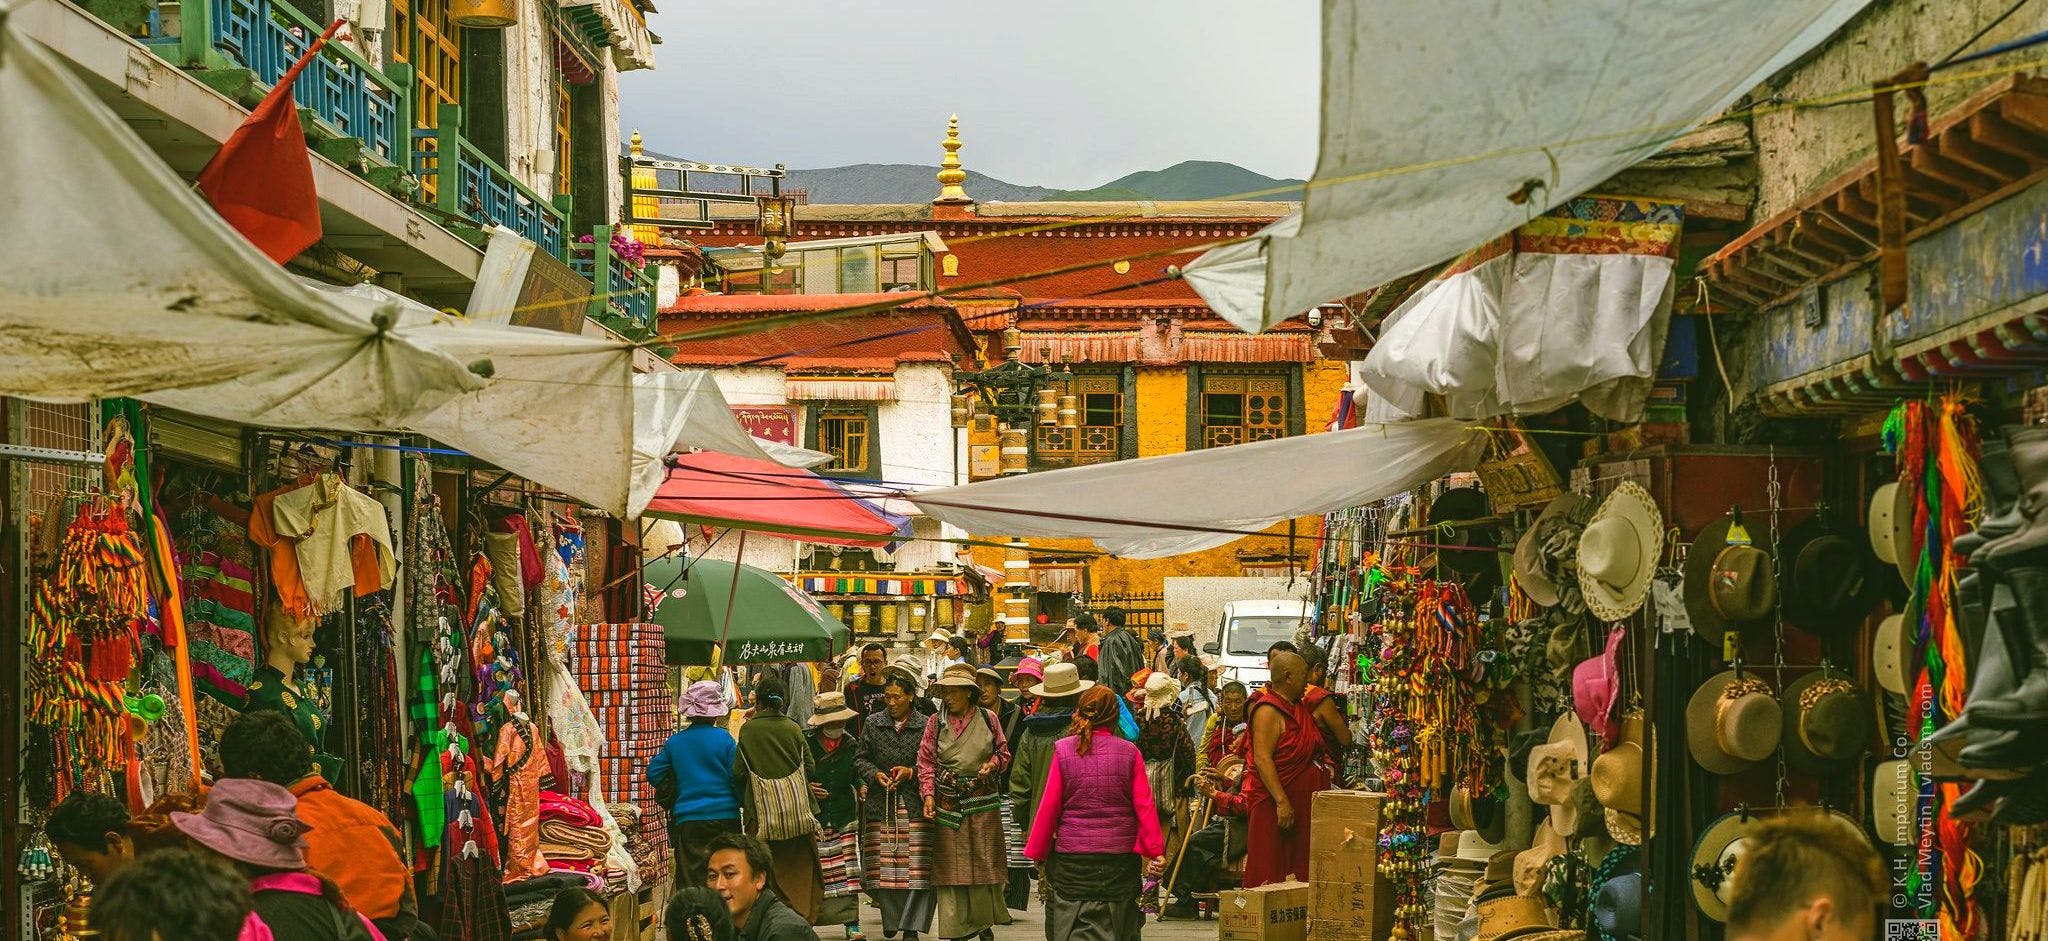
[(625, 297), (472, 188)]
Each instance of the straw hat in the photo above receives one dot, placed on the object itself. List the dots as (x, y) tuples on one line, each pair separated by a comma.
[(1533, 863), (1891, 654), (958, 675), (831, 707), (1894, 803), (1732, 722), (1618, 552), (1713, 861), (1180, 629), (1618, 783), (939, 637), (1568, 510), (1473, 846), (1061, 679), (1512, 917)]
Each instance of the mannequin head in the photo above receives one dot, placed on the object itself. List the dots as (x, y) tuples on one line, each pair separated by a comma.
[(287, 640)]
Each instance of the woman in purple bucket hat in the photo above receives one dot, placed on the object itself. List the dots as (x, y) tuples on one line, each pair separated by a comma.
[(255, 826)]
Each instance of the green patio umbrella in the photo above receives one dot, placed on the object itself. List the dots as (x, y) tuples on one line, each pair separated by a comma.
[(772, 621)]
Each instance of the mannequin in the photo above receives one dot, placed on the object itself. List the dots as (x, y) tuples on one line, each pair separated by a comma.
[(518, 765), (287, 646)]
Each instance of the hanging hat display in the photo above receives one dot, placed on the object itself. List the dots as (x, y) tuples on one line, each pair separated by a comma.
[(1565, 515), (1714, 856), (1828, 579), (1618, 552), (1483, 814), (1533, 863), (1891, 655), (1580, 816), (1826, 721), (1732, 722)]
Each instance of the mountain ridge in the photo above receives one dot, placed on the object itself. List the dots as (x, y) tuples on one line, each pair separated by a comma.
[(911, 183)]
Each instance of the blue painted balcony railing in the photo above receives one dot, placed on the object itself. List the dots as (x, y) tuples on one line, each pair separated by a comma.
[(619, 286), (470, 185), (342, 89)]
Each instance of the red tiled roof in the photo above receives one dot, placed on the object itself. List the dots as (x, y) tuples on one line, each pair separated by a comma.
[(873, 341)]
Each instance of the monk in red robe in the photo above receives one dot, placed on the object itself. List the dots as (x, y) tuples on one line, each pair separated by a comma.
[(1287, 750)]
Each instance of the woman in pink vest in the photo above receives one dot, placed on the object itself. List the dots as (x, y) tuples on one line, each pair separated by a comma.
[(1096, 829)]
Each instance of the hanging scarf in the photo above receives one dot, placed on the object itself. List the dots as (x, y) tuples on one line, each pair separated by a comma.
[(1936, 444)]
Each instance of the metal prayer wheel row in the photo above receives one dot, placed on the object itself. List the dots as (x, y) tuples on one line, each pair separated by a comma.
[(1054, 409)]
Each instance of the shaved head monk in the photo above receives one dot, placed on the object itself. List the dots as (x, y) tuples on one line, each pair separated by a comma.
[(1285, 746)]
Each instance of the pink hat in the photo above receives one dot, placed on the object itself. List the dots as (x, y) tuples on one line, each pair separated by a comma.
[(1596, 683), (705, 699), (1030, 667), (251, 821)]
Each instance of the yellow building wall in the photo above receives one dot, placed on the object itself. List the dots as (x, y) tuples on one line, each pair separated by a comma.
[(1163, 429)]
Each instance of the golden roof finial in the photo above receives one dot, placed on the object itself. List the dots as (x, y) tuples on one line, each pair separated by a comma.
[(636, 142), (950, 174)]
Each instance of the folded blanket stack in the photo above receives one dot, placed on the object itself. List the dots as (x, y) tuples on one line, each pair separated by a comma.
[(621, 670)]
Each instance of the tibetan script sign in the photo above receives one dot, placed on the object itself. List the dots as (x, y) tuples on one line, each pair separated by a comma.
[(768, 422)]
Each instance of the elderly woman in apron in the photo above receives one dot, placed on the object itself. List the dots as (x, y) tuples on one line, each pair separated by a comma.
[(960, 764), (895, 858), (834, 783)]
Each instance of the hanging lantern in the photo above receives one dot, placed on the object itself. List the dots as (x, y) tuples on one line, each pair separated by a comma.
[(1016, 451), (484, 14), (1070, 411)]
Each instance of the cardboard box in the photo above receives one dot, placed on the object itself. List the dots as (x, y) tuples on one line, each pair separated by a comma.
[(1347, 895), (1332, 931), (1274, 912)]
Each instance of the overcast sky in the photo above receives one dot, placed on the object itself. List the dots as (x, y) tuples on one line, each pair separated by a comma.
[(1067, 93)]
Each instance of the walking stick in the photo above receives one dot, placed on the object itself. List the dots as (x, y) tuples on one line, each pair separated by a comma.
[(1202, 814)]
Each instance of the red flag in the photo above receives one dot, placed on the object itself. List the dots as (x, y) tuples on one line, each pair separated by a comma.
[(261, 181)]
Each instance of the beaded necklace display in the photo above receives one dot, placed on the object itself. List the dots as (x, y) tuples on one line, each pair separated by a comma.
[(1432, 683)]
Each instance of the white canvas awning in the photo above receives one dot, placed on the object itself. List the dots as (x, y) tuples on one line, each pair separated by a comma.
[(192, 317), (1196, 500), (183, 300), (1435, 114)]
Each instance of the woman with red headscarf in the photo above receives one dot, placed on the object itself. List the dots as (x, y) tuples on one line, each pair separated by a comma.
[(1096, 828)]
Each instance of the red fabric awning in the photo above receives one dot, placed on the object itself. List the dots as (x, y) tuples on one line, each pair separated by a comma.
[(762, 496)]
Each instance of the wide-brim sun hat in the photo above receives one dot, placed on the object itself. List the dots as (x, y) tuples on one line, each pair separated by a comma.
[(250, 821), (1829, 580), (1061, 679), (1618, 552), (1878, 522), (1713, 857), (958, 675), (1894, 803), (831, 707)]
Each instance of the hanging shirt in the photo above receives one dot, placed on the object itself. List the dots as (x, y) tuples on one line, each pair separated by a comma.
[(343, 540)]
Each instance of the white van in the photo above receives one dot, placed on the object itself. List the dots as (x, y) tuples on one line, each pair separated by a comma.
[(1247, 629)]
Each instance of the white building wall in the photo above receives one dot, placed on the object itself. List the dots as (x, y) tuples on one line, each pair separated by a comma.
[(917, 444), (529, 99)]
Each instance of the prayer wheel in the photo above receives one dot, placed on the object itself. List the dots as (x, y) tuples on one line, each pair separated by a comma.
[(1016, 451)]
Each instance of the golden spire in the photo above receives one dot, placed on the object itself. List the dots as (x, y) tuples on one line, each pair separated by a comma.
[(950, 174), (636, 142)]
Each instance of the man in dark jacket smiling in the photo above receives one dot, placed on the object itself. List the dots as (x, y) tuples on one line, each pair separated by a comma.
[(739, 874)]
